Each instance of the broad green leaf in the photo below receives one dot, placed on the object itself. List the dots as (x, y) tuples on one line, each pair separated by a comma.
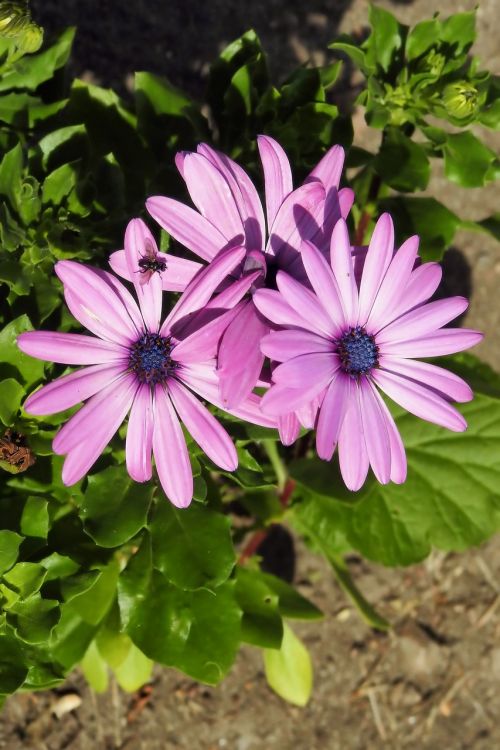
[(134, 671), (63, 145), (26, 578), (32, 70), (71, 637), (113, 645), (385, 38), (450, 500), (11, 395), (467, 161), (402, 163), (261, 624), (34, 619), (422, 37), (31, 369), (35, 517), (59, 183), (58, 566), (192, 547), (95, 669), (13, 670), (114, 507), (459, 31), (14, 108), (9, 548), (356, 54), (291, 604), (366, 610), (194, 631), (289, 669), (93, 604), (11, 170)]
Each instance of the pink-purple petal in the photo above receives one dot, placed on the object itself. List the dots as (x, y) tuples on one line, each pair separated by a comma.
[(328, 171), (187, 226), (447, 383), (393, 286), (240, 358), (301, 298), (277, 175), (283, 345), (324, 284), (139, 242), (203, 286), (419, 400), (170, 452), (297, 220), (203, 343), (436, 344), (353, 456), (342, 266), (422, 284), (212, 195), (179, 272), (375, 432), (300, 372), (93, 437), (92, 298), (69, 348), (378, 258), (139, 441), (289, 428), (331, 415), (280, 399), (398, 454), (273, 307), (207, 432), (244, 195), (72, 389), (422, 320)]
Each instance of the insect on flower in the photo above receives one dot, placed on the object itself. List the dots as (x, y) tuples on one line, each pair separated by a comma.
[(151, 262)]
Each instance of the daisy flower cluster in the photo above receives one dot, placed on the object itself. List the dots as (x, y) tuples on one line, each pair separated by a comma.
[(277, 299)]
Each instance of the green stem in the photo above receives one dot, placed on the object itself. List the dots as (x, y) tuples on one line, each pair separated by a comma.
[(276, 462)]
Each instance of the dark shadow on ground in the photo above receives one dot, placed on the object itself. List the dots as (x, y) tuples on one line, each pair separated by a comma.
[(180, 38), (457, 278)]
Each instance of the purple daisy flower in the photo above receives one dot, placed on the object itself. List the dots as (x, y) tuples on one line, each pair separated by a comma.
[(137, 364), (343, 340), (230, 213)]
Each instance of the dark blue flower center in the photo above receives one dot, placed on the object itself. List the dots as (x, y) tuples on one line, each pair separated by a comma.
[(358, 352), (150, 358)]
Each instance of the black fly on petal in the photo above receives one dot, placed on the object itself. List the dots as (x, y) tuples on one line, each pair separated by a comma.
[(150, 263)]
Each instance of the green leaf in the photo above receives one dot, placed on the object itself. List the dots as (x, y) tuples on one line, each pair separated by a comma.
[(366, 610), (95, 669), (291, 604), (402, 163), (134, 671), (59, 183), (93, 604), (422, 37), (194, 631), (114, 507), (11, 171), (451, 499), (30, 369), (26, 578), (113, 645), (9, 548), (32, 70), (289, 670), (261, 624), (434, 223), (11, 395), (459, 31), (467, 161), (34, 619), (13, 670), (356, 54), (35, 517), (192, 547), (63, 145), (385, 38)]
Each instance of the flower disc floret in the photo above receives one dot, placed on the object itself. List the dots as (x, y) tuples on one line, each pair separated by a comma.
[(358, 352), (150, 359)]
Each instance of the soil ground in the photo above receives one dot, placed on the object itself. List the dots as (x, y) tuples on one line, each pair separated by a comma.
[(433, 681)]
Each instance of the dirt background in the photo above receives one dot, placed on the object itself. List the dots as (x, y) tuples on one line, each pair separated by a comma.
[(433, 681)]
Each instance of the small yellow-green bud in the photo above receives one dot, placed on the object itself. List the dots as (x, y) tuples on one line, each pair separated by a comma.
[(460, 99)]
